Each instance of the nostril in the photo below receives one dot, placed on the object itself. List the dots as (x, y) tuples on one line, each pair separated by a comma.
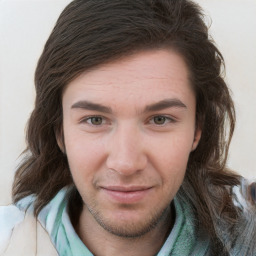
[(123, 168), (127, 164), (126, 153)]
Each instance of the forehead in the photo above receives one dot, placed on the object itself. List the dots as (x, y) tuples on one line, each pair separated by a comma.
[(141, 77)]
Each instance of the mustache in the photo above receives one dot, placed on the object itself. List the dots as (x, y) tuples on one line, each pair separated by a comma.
[(113, 179)]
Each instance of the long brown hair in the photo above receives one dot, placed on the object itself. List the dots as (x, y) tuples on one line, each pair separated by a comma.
[(89, 33)]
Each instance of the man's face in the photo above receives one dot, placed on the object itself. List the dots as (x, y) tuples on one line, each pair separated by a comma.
[(129, 127)]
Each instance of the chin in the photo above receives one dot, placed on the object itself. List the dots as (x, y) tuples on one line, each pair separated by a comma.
[(130, 225)]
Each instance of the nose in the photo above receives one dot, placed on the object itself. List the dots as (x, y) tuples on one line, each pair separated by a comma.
[(126, 154)]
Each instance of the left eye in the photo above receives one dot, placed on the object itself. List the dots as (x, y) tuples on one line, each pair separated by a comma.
[(160, 120)]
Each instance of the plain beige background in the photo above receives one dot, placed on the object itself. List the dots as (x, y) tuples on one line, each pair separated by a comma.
[(25, 26)]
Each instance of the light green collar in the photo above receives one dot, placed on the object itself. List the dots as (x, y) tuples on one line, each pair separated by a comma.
[(183, 239)]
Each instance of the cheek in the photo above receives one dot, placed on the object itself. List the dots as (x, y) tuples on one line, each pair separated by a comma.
[(170, 159), (84, 154), (174, 148)]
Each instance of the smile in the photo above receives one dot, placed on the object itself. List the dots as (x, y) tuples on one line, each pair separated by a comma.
[(126, 195)]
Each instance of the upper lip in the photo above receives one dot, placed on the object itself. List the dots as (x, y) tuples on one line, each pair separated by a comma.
[(126, 188)]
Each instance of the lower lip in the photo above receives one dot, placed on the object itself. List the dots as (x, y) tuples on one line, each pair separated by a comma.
[(127, 197)]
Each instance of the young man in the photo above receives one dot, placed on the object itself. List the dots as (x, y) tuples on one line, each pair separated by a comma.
[(127, 144)]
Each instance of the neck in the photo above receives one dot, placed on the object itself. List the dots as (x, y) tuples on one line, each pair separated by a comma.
[(92, 234)]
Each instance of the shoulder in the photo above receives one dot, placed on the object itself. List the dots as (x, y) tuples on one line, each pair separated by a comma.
[(244, 196), (10, 217), (245, 229), (22, 234)]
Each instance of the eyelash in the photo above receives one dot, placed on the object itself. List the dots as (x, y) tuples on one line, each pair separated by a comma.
[(151, 120), (167, 119), (85, 120)]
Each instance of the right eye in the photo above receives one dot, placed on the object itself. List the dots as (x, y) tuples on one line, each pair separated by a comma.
[(94, 120)]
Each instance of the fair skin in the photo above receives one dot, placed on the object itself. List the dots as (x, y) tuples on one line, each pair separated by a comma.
[(129, 127)]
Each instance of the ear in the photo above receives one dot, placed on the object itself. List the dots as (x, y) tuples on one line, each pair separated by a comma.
[(197, 137), (60, 139)]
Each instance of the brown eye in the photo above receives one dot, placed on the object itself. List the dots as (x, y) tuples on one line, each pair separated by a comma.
[(159, 120), (95, 120)]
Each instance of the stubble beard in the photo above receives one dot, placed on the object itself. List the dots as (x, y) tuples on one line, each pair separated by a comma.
[(131, 230)]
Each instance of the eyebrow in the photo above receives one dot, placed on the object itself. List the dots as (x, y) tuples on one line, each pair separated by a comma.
[(163, 104), (91, 106)]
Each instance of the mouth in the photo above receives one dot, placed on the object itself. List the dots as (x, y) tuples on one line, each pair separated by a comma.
[(126, 195)]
